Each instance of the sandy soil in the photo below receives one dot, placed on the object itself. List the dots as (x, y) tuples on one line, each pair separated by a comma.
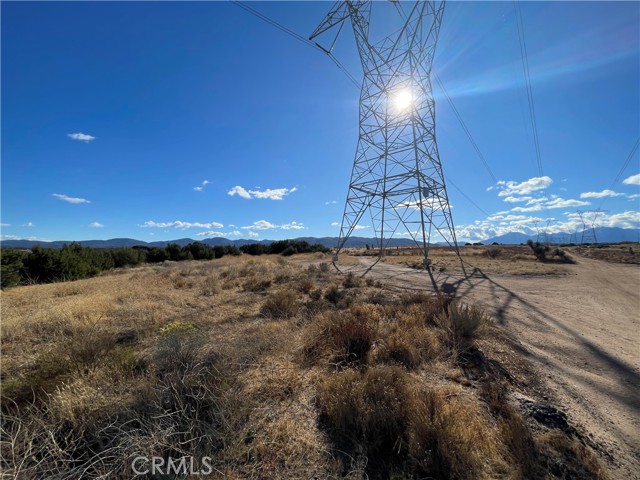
[(581, 331)]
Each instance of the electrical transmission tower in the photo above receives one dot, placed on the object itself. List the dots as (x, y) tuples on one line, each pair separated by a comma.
[(397, 185), (589, 229)]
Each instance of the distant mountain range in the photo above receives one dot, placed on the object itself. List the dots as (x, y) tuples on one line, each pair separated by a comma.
[(603, 235)]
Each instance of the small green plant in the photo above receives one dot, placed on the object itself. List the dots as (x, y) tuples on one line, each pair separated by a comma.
[(177, 327)]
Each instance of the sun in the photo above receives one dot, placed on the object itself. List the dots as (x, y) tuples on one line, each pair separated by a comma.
[(403, 99)]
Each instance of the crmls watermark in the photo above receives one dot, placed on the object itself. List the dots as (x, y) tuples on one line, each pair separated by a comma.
[(182, 465)]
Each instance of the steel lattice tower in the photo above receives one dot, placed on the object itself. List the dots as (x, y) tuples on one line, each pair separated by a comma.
[(397, 184)]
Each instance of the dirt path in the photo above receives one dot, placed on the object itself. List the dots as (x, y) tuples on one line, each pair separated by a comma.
[(582, 330)]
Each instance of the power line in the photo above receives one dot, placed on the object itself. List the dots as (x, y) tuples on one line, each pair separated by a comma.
[(624, 167), (466, 196), (626, 162), (466, 130), (297, 36), (273, 22), (527, 75)]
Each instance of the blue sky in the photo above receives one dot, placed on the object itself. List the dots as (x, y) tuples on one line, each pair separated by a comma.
[(159, 121)]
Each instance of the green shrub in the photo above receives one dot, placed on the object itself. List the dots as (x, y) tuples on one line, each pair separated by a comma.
[(11, 267)]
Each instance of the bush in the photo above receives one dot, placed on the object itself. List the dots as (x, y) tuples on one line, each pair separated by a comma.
[(11, 267), (351, 281), (367, 410), (341, 338), (494, 252), (256, 284), (539, 250), (282, 304), (462, 323)]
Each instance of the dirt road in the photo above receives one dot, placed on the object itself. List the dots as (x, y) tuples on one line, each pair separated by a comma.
[(582, 329)]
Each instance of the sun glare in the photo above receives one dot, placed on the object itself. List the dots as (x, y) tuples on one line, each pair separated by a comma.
[(403, 99)]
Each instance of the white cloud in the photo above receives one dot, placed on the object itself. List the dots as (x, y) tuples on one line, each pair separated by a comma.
[(292, 226), (634, 196), (241, 192), (82, 137), (332, 202), (509, 188), (14, 237), (260, 225), (180, 224), (632, 180), (602, 194), (621, 220), (360, 227), (253, 234), (533, 208), (511, 199), (335, 224), (265, 225), (96, 225), (269, 193), (5, 224), (210, 233), (69, 199), (28, 224), (200, 187), (562, 203), (273, 194)]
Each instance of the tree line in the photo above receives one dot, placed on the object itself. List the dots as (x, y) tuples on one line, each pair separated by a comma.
[(74, 262)]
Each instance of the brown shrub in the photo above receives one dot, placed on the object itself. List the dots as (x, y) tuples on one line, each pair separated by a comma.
[(305, 285), (565, 457), (368, 409), (461, 324), (448, 438), (351, 281), (408, 347), (341, 338), (281, 304), (256, 284)]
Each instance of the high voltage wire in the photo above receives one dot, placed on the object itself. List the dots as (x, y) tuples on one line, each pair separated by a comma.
[(624, 167), (466, 196), (527, 75), (302, 39), (466, 130), (297, 36)]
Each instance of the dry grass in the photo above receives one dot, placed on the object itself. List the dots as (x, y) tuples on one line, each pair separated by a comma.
[(271, 369)]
